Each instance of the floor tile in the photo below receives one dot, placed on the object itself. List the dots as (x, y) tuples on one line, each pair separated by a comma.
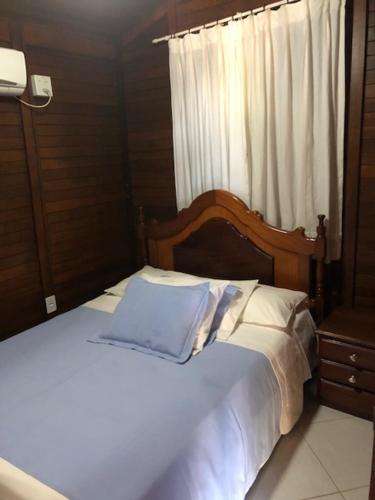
[(358, 494), (315, 413), (320, 413), (292, 473), (344, 447), (335, 496)]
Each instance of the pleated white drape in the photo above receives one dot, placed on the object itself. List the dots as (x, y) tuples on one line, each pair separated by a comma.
[(258, 110)]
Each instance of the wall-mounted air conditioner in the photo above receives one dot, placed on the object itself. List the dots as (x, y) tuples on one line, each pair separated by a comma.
[(13, 76)]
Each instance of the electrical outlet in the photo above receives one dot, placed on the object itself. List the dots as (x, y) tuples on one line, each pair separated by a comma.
[(51, 305), (41, 86)]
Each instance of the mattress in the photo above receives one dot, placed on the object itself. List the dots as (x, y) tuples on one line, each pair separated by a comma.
[(93, 421)]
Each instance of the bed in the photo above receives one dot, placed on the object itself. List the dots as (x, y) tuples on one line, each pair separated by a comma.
[(84, 421)]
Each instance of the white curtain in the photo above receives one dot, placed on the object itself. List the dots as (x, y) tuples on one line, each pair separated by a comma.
[(258, 110)]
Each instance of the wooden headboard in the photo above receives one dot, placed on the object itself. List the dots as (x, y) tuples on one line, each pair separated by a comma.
[(219, 237)]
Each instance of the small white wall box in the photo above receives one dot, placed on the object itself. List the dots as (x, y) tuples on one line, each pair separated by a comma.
[(13, 76), (51, 305), (41, 86)]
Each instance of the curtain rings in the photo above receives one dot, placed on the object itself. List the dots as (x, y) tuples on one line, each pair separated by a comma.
[(262, 9)]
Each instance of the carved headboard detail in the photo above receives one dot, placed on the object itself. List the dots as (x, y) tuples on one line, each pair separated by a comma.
[(218, 236)]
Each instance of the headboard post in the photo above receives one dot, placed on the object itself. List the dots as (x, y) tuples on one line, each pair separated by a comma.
[(142, 236), (320, 256)]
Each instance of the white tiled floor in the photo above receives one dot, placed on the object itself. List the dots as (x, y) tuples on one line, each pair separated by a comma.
[(326, 457)]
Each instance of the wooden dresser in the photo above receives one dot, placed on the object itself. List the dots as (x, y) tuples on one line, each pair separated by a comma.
[(347, 361)]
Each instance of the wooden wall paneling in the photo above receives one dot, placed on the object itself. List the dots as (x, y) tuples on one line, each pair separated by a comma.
[(98, 16), (21, 290), (148, 21), (4, 30), (34, 177), (365, 258), (64, 226), (72, 41), (149, 122), (120, 82), (172, 16), (192, 13), (80, 146)]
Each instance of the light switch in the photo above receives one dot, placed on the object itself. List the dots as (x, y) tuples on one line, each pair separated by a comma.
[(41, 86)]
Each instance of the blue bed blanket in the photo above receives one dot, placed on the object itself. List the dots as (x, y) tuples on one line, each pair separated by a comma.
[(97, 422)]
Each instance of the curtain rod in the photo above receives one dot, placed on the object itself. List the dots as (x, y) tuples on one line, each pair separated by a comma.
[(235, 17)]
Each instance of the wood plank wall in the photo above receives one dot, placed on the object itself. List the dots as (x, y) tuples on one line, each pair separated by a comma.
[(20, 283), (365, 268), (149, 123), (75, 160)]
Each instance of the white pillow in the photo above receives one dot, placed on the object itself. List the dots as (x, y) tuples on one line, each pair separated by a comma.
[(174, 278), (119, 289), (235, 308), (274, 307)]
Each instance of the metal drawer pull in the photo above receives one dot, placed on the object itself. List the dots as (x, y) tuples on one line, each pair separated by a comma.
[(352, 379), (353, 357)]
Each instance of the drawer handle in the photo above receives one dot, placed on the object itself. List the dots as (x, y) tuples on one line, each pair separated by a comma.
[(352, 379), (353, 357)]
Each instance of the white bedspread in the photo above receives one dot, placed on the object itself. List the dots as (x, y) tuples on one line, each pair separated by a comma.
[(17, 485), (288, 362)]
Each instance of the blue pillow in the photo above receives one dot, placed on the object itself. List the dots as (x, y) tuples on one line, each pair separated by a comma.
[(158, 319)]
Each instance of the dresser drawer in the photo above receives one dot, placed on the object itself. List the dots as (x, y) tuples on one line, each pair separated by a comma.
[(347, 354), (347, 399), (348, 375)]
